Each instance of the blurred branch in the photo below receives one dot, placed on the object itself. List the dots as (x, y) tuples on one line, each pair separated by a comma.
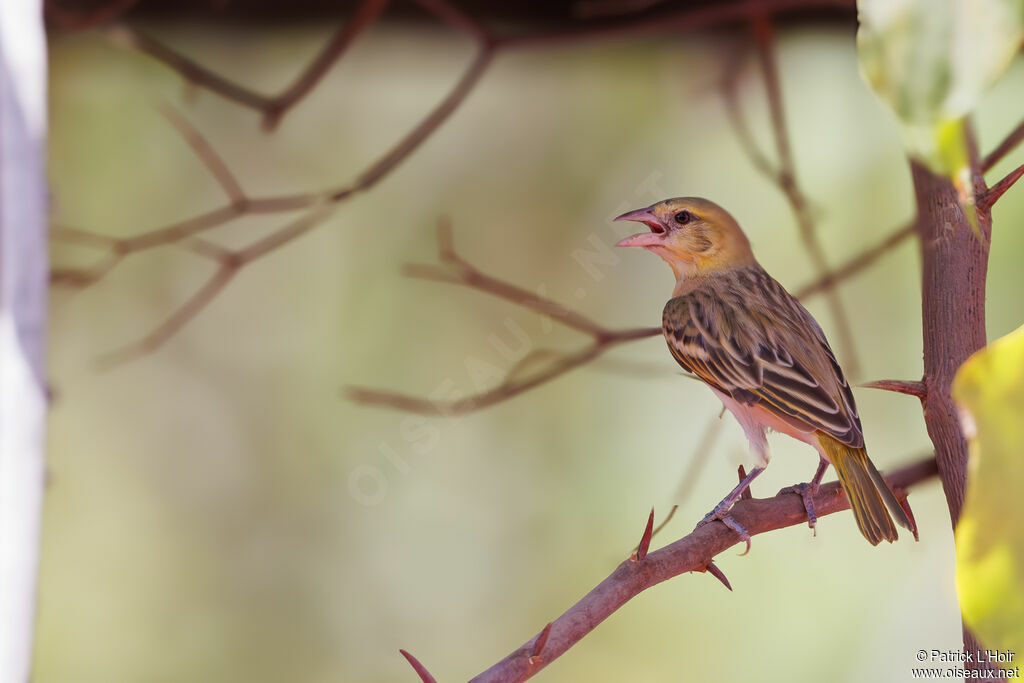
[(783, 172), (694, 552), (229, 262), (858, 263), (456, 270), (272, 108), (317, 205), (1009, 143)]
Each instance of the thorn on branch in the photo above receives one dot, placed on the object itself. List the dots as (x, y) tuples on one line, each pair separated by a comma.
[(745, 494), (692, 553), (904, 501), (542, 639), (909, 387), (645, 539), (713, 569), (993, 194), (420, 670)]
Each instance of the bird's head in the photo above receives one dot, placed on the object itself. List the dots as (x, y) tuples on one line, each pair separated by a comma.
[(693, 235)]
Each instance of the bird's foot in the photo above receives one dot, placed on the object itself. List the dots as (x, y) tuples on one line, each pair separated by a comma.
[(806, 492), (721, 513)]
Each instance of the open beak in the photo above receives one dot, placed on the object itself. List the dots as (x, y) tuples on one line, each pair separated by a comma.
[(643, 239)]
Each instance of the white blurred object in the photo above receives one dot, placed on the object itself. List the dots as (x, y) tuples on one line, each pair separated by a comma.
[(23, 299)]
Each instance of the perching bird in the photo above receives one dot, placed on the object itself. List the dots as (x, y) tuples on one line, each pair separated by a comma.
[(763, 354)]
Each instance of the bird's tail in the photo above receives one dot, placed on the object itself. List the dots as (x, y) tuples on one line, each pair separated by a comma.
[(867, 491)]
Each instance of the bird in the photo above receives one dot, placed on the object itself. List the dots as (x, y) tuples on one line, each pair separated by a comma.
[(733, 326)]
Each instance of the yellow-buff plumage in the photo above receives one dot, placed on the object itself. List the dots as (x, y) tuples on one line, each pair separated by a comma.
[(762, 353)]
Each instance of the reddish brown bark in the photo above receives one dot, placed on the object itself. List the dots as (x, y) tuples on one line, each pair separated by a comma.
[(694, 552), (954, 264), (954, 261)]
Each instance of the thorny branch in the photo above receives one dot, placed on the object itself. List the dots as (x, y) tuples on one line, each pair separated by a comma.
[(692, 553)]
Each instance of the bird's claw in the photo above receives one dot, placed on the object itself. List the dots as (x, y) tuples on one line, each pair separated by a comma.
[(721, 513), (806, 492)]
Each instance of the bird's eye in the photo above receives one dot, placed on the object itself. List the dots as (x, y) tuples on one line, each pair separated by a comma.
[(683, 217)]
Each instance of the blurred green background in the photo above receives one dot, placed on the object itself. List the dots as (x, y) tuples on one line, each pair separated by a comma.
[(218, 511)]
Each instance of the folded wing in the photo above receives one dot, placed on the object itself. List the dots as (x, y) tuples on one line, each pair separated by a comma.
[(743, 334)]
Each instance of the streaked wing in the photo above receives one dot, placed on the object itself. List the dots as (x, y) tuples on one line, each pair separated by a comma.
[(743, 334)]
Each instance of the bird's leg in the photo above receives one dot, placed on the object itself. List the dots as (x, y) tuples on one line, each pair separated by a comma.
[(721, 511), (806, 491)]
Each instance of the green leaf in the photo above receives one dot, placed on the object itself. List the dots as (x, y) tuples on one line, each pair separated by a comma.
[(989, 387), (930, 61)]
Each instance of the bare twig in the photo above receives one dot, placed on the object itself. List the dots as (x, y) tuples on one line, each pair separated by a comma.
[(858, 263), (457, 270), (553, 364), (181, 317), (239, 204), (694, 552), (783, 174), (214, 163), (272, 108), (1009, 143)]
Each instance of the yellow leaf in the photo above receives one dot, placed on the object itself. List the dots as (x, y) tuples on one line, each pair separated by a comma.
[(989, 387)]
